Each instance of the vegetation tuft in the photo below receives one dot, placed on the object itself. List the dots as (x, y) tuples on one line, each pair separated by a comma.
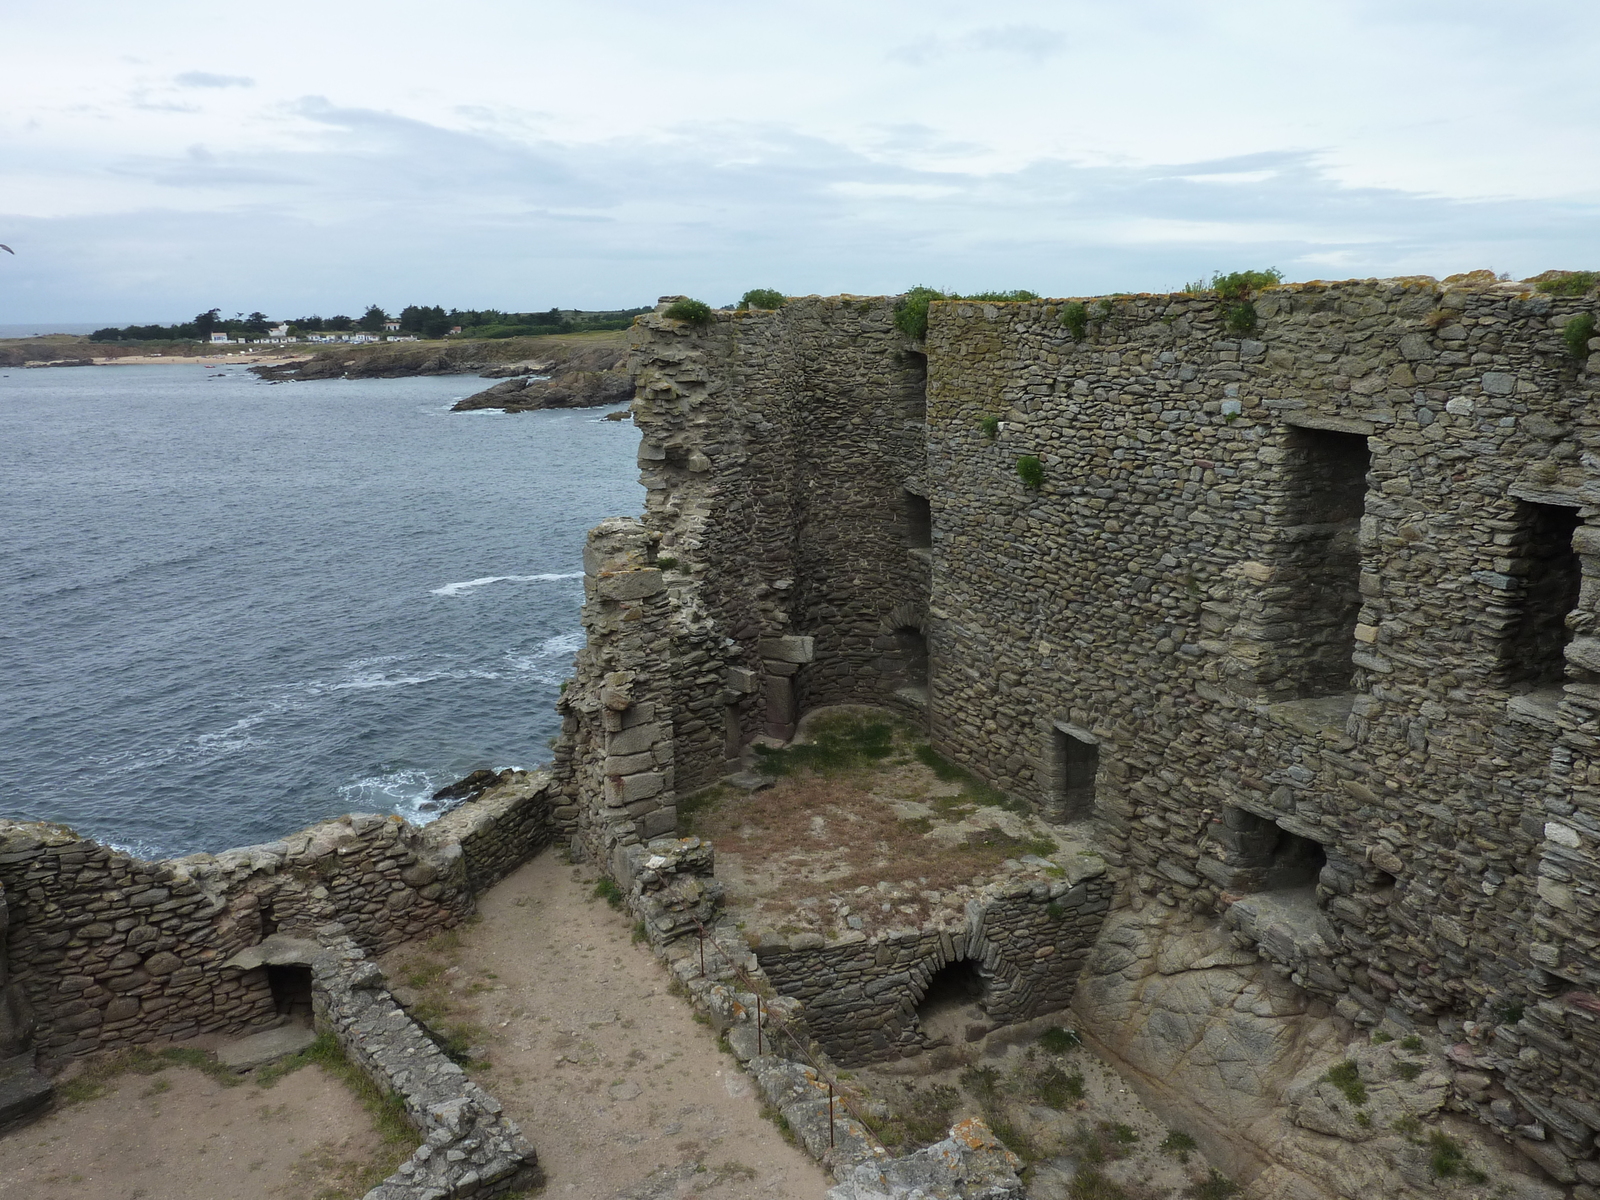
[(691, 312), (990, 425), (1241, 318), (1408, 1070), (1215, 1186), (1576, 333), (911, 310), (1076, 318), (1449, 1161), (606, 889), (924, 1119), (762, 298), (1058, 1040), (1235, 285), (1346, 1076), (1567, 283), (1179, 1145), (1030, 470), (1411, 1042)]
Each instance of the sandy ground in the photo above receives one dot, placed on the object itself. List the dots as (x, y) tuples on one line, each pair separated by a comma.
[(622, 1093), (181, 1135)]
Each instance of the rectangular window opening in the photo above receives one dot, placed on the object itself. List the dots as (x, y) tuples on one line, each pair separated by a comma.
[(1077, 763), (919, 522), (916, 402), (1321, 559), (1550, 576), (1265, 857)]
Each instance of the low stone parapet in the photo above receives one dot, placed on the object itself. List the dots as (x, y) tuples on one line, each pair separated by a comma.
[(469, 1147)]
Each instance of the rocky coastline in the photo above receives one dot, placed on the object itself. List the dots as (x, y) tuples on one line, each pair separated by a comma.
[(565, 371)]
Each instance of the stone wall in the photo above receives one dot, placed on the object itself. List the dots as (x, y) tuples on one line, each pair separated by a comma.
[(1027, 939), (469, 1147), (112, 951), (1300, 623)]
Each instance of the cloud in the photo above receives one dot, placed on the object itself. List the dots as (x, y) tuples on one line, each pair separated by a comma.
[(363, 204), (205, 79), (1019, 41)]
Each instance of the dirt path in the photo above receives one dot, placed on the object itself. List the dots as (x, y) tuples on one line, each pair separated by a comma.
[(181, 1135), (619, 1089)]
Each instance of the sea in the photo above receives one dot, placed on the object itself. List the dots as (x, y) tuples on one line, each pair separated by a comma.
[(233, 608)]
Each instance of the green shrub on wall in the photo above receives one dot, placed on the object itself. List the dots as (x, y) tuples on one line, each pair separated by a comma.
[(1242, 318), (1030, 470), (1076, 318), (692, 312), (762, 298), (1577, 333), (990, 426), (911, 310)]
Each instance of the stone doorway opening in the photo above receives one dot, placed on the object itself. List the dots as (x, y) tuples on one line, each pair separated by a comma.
[(291, 990), (954, 1002)]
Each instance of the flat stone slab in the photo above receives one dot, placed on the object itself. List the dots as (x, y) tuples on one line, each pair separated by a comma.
[(24, 1095), (258, 1049)]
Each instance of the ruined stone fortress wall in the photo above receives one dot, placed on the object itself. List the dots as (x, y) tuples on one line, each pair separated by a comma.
[(1299, 627), (106, 950)]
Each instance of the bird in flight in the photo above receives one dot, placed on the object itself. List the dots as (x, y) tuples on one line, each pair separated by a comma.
[(6, 248)]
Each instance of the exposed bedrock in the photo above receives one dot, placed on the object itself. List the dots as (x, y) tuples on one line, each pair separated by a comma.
[(1222, 1046)]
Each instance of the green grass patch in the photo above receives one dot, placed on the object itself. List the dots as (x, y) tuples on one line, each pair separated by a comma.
[(1179, 1145), (1408, 1071), (1215, 1186), (1412, 1043), (606, 889), (840, 742), (1346, 1076), (990, 425), (94, 1080), (1379, 1037), (973, 790), (1057, 1088), (1030, 470), (1058, 1040), (699, 804)]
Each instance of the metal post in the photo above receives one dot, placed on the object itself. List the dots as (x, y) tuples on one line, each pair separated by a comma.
[(830, 1114), (758, 1026), (701, 929)]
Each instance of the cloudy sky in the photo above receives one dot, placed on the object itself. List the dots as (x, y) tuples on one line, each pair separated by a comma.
[(160, 158)]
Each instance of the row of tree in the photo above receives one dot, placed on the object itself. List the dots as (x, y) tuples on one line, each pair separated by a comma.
[(428, 321)]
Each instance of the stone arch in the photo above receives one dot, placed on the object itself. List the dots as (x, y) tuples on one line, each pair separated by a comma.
[(1000, 979), (902, 645)]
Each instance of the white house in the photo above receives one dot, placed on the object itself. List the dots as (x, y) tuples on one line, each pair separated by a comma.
[(219, 339)]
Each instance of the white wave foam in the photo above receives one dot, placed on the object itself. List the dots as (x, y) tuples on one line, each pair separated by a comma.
[(468, 585), (369, 680), (408, 792), (551, 661)]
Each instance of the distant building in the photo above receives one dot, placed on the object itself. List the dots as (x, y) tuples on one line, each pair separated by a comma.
[(391, 326), (455, 329), (278, 331), (219, 339)]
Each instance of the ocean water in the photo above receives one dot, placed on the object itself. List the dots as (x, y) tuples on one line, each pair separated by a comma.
[(233, 608)]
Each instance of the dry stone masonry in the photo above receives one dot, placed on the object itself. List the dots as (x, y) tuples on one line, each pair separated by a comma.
[(1298, 631)]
